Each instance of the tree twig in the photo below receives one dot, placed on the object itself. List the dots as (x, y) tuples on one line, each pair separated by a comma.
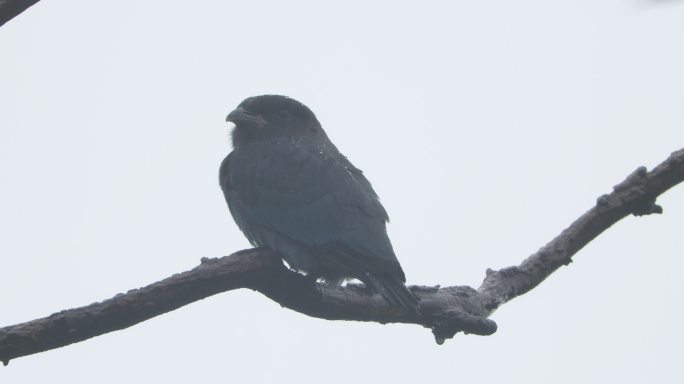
[(12, 8), (446, 311)]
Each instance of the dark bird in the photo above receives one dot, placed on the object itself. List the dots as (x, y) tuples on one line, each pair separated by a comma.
[(290, 190)]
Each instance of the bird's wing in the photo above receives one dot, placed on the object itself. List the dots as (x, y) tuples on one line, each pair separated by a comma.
[(310, 194)]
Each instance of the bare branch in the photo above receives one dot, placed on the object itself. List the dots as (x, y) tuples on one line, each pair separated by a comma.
[(446, 311), (12, 8)]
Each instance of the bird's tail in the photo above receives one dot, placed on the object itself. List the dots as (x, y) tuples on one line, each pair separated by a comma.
[(393, 290), (390, 285)]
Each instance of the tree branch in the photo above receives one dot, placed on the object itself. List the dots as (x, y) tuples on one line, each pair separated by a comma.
[(12, 8), (446, 311)]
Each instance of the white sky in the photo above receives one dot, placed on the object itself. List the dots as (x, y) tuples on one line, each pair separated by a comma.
[(486, 127)]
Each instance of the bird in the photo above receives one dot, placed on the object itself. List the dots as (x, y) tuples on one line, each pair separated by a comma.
[(290, 190)]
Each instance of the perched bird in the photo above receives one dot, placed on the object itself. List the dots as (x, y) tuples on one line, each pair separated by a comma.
[(290, 190)]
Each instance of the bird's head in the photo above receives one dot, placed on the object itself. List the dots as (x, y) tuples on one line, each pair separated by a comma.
[(266, 117)]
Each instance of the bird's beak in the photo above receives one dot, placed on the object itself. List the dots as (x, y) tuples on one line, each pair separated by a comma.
[(241, 115)]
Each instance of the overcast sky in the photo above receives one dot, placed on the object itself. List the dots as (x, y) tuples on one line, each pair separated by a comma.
[(485, 126)]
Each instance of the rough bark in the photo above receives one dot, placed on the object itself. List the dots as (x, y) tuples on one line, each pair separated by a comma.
[(446, 311), (12, 8)]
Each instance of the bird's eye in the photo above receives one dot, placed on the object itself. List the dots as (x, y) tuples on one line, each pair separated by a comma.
[(285, 115)]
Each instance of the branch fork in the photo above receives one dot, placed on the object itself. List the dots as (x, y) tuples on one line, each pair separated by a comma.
[(445, 310)]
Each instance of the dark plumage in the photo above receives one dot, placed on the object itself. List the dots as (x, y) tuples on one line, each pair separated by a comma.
[(289, 189)]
